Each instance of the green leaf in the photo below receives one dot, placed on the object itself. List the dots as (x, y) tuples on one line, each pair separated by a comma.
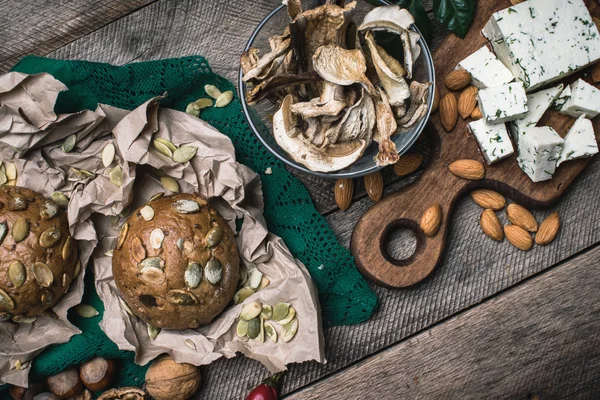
[(415, 7), (456, 15)]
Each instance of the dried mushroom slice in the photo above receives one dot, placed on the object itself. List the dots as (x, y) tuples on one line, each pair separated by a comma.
[(50, 237), (266, 60), (279, 82), (249, 59), (386, 127), (357, 123), (331, 103), (418, 105), (181, 298), (341, 66)]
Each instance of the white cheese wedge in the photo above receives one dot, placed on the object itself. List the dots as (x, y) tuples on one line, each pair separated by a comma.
[(503, 103), (542, 41), (580, 141), (537, 103), (539, 149), (584, 99), (493, 140), (485, 69)]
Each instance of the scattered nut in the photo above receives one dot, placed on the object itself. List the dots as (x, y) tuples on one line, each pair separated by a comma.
[(168, 380), (65, 384), (97, 373)]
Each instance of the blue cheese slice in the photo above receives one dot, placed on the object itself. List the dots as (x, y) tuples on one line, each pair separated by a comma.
[(537, 103), (542, 41), (580, 141), (584, 99), (485, 69), (539, 149), (493, 140), (503, 103)]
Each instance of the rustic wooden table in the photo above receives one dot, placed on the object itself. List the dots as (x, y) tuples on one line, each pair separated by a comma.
[(491, 321)]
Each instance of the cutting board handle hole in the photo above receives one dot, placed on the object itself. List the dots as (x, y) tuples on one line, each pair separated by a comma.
[(400, 242)]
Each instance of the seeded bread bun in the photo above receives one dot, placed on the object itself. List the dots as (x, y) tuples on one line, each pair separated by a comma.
[(38, 257), (176, 263)]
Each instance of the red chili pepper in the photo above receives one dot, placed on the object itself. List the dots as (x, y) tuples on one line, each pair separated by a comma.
[(267, 390)]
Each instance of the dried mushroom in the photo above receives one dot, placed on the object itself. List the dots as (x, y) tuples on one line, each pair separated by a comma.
[(386, 127)]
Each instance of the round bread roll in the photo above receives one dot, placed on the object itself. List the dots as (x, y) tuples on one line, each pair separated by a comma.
[(38, 256), (175, 262)]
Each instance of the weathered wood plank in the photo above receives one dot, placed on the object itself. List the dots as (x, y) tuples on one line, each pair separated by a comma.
[(28, 27), (539, 338)]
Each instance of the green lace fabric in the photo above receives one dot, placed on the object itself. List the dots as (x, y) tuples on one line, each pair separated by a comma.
[(344, 295)]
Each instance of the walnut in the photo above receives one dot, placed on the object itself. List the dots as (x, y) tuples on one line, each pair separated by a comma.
[(168, 380), (125, 393)]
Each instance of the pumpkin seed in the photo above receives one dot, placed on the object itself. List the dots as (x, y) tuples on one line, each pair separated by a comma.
[(214, 236), (60, 199), (147, 213), (288, 331), (152, 262), (153, 332), (17, 203), (47, 297), (122, 235), (50, 237), (212, 91), (167, 143), (203, 103), (116, 176), (154, 276), (138, 252), (11, 171), (180, 243), (65, 280), (87, 174), (67, 249), (4, 316), (86, 311), (241, 328), (253, 328), (22, 319), (43, 274), (3, 178), (213, 271), (188, 246), (126, 307), (254, 278), (18, 364), (77, 269), (157, 196), (20, 230), (193, 275), (17, 273), (264, 283), (267, 312), (181, 298), (261, 335), (156, 238), (6, 301), (242, 295), (271, 332), (184, 154), (12, 183), (251, 310), (108, 155), (69, 143), (243, 276), (162, 148), (49, 210), (170, 184), (125, 212), (186, 206), (108, 253), (289, 317), (190, 344), (2, 167), (280, 311), (224, 99), (3, 231), (192, 110)]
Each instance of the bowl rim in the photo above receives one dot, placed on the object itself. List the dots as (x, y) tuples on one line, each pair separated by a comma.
[(416, 131)]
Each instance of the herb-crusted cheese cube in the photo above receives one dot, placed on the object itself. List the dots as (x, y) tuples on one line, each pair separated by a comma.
[(584, 100), (485, 69), (493, 139), (503, 103), (539, 149), (561, 100), (537, 103), (542, 41), (580, 141)]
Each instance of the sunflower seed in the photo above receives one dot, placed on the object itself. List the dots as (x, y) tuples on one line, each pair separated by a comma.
[(184, 154), (77, 269), (289, 317), (242, 295), (43, 274), (147, 213), (213, 271), (3, 231), (6, 301), (254, 278), (3, 178), (212, 91), (69, 143), (4, 316), (66, 280), (108, 155), (242, 328), (20, 230), (180, 243), (60, 199), (116, 176), (122, 235), (170, 184), (50, 237), (181, 298), (271, 332), (17, 203), (152, 262), (11, 171), (193, 275), (86, 311), (253, 328), (280, 311), (17, 273), (186, 206), (167, 143), (264, 283), (266, 312), (156, 238), (251, 310), (190, 344), (49, 210), (162, 148), (153, 332), (22, 319), (67, 249), (224, 99), (47, 297), (138, 252), (126, 307), (288, 331), (154, 276), (214, 236)]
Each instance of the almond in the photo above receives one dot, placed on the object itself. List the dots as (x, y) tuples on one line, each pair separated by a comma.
[(467, 169), (431, 220), (436, 101), (548, 229), (448, 111), (467, 101), (596, 21), (490, 224), (476, 114), (408, 163), (457, 79), (343, 191), (374, 185), (518, 237), (520, 216), (488, 199), (596, 73)]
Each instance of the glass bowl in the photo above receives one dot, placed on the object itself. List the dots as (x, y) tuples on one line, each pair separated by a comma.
[(259, 115)]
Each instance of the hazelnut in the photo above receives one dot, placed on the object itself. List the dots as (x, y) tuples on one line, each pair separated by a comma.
[(46, 396), (168, 380), (85, 395), (65, 384), (17, 392), (97, 373), (21, 393)]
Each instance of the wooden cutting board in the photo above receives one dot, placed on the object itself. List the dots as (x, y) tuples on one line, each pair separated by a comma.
[(437, 185)]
